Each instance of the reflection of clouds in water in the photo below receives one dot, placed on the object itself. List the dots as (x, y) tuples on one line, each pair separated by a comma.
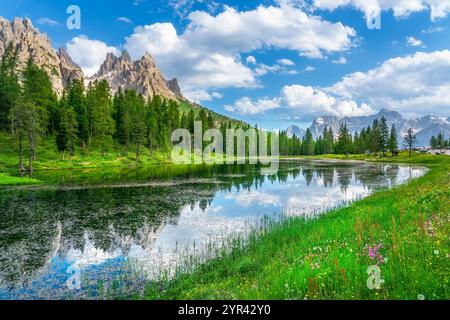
[(248, 198), (192, 235), (407, 173), (322, 200), (83, 259), (90, 255)]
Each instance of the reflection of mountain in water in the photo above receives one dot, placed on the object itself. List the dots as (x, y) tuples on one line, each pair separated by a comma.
[(39, 224)]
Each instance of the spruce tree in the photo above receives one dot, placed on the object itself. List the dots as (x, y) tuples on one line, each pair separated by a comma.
[(409, 140), (384, 136), (38, 89), (40, 101), (9, 85), (19, 116), (102, 122), (66, 136), (77, 100), (308, 144), (393, 143)]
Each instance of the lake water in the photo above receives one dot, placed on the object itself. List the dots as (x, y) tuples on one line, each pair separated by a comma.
[(59, 240)]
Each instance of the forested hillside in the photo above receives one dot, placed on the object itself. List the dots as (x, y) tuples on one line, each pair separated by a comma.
[(86, 121)]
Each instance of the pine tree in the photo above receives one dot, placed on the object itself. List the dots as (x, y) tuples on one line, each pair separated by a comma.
[(440, 141), (375, 137), (19, 115), (66, 136), (77, 100), (9, 85), (328, 139), (38, 89), (152, 122), (121, 106), (137, 126), (410, 140), (434, 142), (102, 121), (308, 144), (344, 144), (393, 143), (40, 101), (384, 136)]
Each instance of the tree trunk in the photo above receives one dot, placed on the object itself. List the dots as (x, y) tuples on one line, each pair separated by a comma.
[(21, 168), (137, 151), (31, 145)]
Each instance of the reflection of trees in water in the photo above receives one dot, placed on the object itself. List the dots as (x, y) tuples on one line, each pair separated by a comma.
[(377, 175), (35, 223)]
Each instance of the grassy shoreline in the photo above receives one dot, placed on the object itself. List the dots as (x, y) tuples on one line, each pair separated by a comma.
[(7, 180), (328, 258)]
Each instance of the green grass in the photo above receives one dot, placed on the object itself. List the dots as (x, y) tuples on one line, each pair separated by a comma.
[(7, 180), (48, 158), (327, 259)]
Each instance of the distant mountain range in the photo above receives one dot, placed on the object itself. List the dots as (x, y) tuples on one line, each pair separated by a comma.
[(424, 128), (141, 75)]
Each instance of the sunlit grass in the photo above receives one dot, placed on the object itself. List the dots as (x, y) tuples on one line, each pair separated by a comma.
[(7, 180)]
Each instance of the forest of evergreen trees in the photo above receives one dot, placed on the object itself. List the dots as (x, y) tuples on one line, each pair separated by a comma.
[(88, 117), (91, 117), (439, 142), (375, 139)]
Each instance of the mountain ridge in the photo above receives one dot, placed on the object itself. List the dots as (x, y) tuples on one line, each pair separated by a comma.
[(141, 75), (424, 127)]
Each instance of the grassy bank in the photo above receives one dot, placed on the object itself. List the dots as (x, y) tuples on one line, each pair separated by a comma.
[(405, 231), (7, 180), (48, 158)]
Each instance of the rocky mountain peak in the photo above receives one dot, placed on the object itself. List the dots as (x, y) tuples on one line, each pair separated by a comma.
[(125, 56), (69, 69), (295, 131), (174, 87), (141, 75), (30, 43)]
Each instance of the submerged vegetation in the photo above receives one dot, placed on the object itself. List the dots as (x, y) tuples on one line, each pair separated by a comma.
[(402, 231)]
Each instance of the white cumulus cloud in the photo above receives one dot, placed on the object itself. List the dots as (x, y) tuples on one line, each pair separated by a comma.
[(89, 54), (207, 54), (247, 106), (401, 8), (313, 102), (413, 85), (413, 42)]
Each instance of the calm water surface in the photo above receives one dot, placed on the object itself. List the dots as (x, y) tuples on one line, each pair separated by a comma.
[(59, 240)]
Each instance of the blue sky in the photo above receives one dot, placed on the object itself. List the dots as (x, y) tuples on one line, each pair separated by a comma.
[(271, 63)]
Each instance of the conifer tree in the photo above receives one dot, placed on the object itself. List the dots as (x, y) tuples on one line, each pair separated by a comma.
[(102, 122), (66, 136), (393, 143), (77, 100), (384, 136), (9, 85), (409, 140)]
